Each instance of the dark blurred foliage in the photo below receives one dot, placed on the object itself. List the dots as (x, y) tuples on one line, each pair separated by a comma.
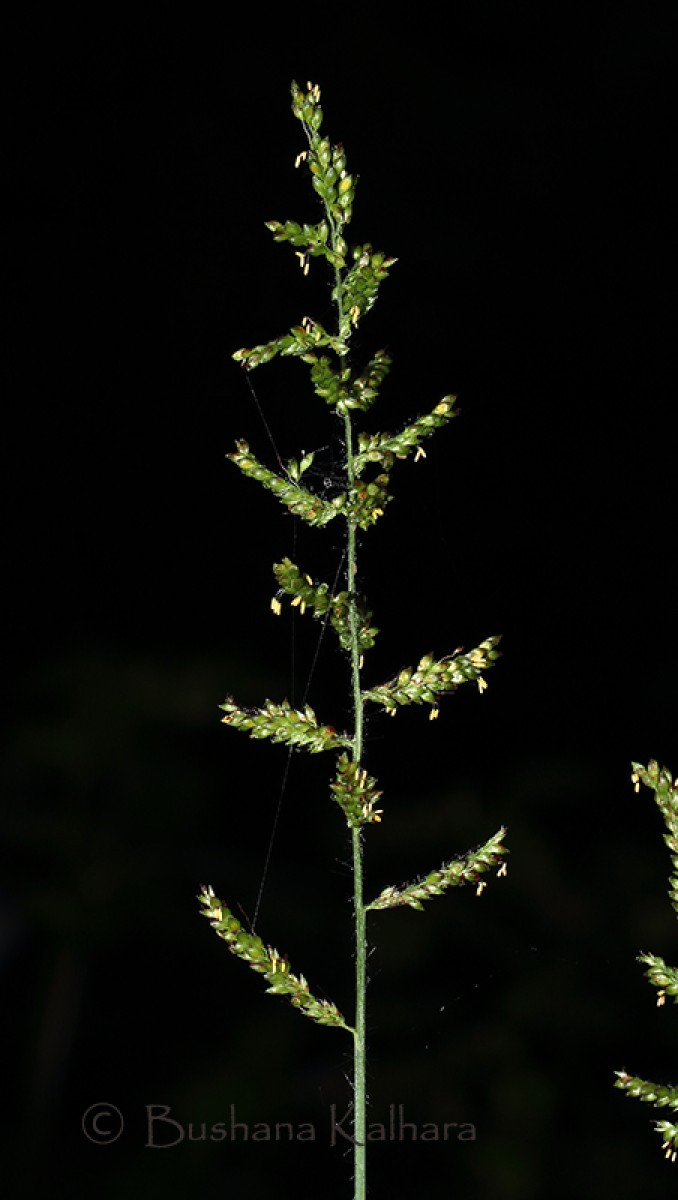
[(518, 166)]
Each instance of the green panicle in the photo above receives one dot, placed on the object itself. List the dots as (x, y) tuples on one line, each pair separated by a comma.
[(268, 962), (432, 678), (282, 723), (467, 869), (349, 385)]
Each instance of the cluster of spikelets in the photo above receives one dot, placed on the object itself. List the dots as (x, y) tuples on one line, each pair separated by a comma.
[(358, 273), (660, 975), (283, 723), (432, 678), (467, 869), (264, 959), (321, 601)]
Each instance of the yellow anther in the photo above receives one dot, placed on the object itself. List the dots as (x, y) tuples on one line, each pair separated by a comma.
[(308, 580), (355, 314), (276, 606), (296, 601), (434, 714), (360, 662), (482, 684), (301, 158), (503, 870), (481, 888), (661, 998), (421, 453)]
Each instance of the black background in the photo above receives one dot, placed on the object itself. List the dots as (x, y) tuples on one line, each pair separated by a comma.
[(518, 167)]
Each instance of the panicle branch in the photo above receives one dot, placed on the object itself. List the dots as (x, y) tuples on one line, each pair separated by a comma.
[(301, 342), (283, 723), (268, 962), (385, 447), (433, 678), (297, 499), (467, 869), (319, 598)]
